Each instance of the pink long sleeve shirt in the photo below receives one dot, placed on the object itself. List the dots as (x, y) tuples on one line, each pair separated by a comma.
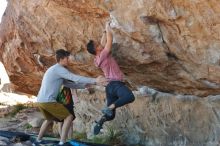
[(109, 66)]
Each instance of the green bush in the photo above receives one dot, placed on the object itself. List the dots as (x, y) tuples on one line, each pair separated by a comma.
[(112, 137), (16, 108), (79, 136), (27, 126)]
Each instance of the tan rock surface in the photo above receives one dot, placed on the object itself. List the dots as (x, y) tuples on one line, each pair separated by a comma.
[(167, 119), (170, 45)]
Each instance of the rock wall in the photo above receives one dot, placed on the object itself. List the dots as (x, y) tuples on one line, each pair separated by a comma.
[(170, 45), (166, 119)]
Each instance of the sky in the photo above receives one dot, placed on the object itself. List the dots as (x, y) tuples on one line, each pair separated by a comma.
[(3, 4)]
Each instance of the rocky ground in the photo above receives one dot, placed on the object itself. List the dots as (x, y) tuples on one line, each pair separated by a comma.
[(27, 120), (18, 113), (21, 123)]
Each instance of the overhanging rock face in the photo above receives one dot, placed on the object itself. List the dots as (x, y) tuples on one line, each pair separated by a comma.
[(172, 46)]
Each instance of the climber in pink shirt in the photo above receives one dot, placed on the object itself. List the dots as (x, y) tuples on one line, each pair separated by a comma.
[(117, 93)]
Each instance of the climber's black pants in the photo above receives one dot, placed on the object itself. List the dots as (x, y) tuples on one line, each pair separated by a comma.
[(119, 94)]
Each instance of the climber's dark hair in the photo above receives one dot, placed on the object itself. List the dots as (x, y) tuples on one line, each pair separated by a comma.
[(61, 53), (91, 47)]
